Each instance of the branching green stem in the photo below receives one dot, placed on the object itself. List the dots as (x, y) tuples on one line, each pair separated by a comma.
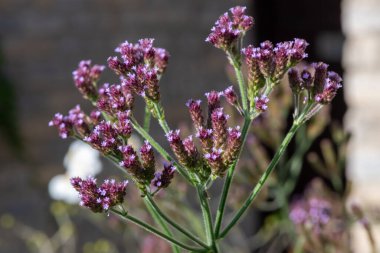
[(147, 117), (207, 218), (262, 179), (153, 230), (227, 183), (158, 219), (157, 210), (161, 117), (239, 76)]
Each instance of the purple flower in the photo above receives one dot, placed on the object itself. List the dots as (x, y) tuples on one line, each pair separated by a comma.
[(295, 81), (161, 59), (119, 67), (99, 198), (147, 158), (261, 103), (104, 137), (273, 61), (227, 30), (215, 161), (219, 127), (255, 77), (307, 79), (123, 125), (233, 146), (206, 138), (191, 150), (298, 214), (65, 127), (230, 96), (131, 162), (213, 99), (179, 148), (163, 178), (195, 112), (314, 212), (85, 77)]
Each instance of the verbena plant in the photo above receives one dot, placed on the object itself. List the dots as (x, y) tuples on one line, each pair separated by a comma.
[(214, 152)]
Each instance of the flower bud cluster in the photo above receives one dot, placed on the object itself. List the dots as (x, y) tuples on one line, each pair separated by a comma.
[(114, 98), (316, 85), (268, 64), (229, 28), (163, 178), (76, 123), (219, 144), (99, 198), (140, 67), (271, 62), (315, 213), (85, 78), (141, 171), (108, 128)]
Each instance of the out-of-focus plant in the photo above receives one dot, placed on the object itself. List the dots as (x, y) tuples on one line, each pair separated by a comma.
[(214, 151)]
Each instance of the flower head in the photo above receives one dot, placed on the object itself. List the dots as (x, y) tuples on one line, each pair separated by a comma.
[(261, 103), (99, 198), (85, 77), (163, 178), (229, 28)]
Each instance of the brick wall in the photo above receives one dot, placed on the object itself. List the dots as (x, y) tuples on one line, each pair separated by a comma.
[(361, 23)]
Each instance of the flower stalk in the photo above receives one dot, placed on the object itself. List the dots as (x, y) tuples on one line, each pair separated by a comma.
[(256, 190)]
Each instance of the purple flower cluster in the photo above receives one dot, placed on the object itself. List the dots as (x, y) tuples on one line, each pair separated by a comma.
[(143, 168), (108, 128), (99, 198), (163, 178), (85, 78), (321, 84), (76, 123), (140, 67), (220, 144), (114, 98), (272, 62), (104, 137), (229, 28), (314, 213), (261, 103)]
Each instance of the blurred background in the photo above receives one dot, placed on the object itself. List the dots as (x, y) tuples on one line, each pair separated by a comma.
[(42, 41)]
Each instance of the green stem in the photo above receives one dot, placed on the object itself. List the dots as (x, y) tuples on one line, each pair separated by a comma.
[(207, 218), (239, 76), (147, 118), (154, 231), (158, 147), (158, 211), (262, 179), (160, 222), (227, 183), (161, 117)]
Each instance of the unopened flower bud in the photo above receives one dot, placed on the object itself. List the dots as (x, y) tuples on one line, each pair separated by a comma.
[(231, 96), (219, 127), (215, 161), (233, 146), (163, 178), (195, 112), (295, 81), (116, 65), (320, 76)]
